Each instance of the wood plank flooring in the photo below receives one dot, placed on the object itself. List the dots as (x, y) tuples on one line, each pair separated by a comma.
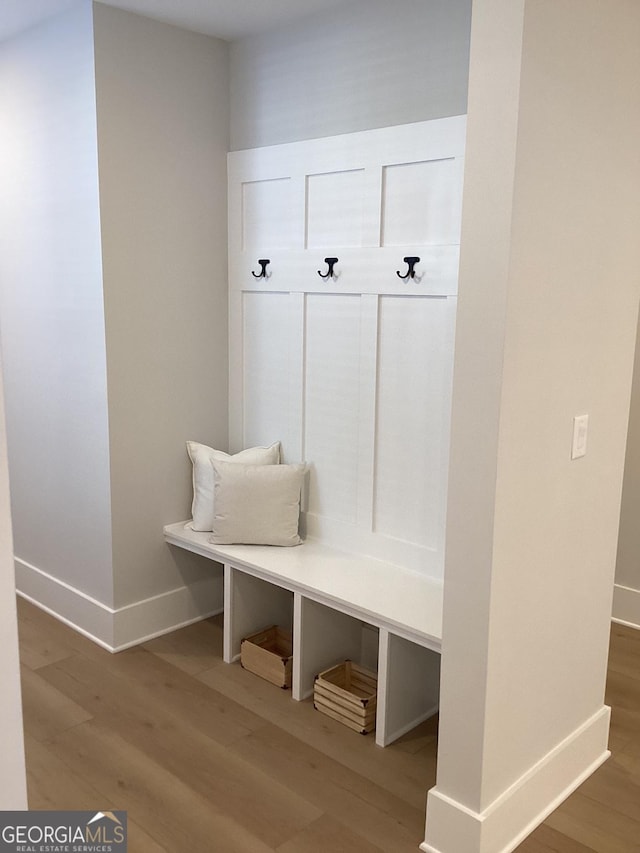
[(207, 757)]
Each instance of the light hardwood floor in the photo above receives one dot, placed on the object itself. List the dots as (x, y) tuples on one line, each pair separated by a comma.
[(207, 757)]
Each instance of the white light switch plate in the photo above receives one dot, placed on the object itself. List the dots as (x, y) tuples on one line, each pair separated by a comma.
[(580, 428)]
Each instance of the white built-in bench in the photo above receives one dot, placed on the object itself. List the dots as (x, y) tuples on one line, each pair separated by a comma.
[(326, 596)]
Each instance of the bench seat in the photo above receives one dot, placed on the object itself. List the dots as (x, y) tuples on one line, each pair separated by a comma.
[(380, 593), (328, 595)]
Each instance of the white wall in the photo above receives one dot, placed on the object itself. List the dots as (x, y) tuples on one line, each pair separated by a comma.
[(365, 64), (546, 331), (626, 596), (114, 313), (162, 100), (13, 787), (51, 309)]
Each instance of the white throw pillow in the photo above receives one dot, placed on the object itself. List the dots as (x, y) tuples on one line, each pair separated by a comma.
[(256, 504), (201, 457)]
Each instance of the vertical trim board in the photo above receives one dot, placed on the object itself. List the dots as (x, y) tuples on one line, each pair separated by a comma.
[(295, 451), (368, 384)]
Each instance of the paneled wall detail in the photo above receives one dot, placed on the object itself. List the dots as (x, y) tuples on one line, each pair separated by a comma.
[(266, 363), (418, 205), (331, 426), (266, 214), (325, 229), (415, 344), (353, 372)]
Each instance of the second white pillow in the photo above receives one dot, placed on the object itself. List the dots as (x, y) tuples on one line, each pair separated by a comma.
[(201, 457)]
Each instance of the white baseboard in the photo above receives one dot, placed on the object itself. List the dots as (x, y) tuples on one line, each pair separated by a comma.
[(500, 828), (626, 606), (120, 628), (72, 606), (144, 620)]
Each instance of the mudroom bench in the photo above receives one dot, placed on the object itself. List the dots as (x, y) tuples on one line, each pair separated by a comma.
[(334, 601)]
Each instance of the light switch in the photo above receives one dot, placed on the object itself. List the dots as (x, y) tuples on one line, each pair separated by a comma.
[(580, 427)]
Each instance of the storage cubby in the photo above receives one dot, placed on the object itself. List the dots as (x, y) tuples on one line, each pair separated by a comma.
[(338, 606), (323, 637), (251, 604), (408, 686)]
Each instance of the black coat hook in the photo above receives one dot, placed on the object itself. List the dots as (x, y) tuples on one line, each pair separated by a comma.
[(263, 268), (411, 272), (331, 262)]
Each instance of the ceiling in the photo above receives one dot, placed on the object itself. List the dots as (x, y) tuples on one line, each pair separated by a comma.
[(227, 19)]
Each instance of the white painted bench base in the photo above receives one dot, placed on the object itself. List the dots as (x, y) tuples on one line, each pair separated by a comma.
[(325, 596)]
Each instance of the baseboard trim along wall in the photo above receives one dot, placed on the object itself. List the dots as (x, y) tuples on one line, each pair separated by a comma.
[(120, 628), (626, 606), (453, 828), (144, 620)]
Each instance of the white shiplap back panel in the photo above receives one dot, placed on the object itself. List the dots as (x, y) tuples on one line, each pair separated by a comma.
[(415, 338), (368, 198), (335, 203), (266, 334), (268, 214), (418, 207), (331, 405), (352, 373)]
